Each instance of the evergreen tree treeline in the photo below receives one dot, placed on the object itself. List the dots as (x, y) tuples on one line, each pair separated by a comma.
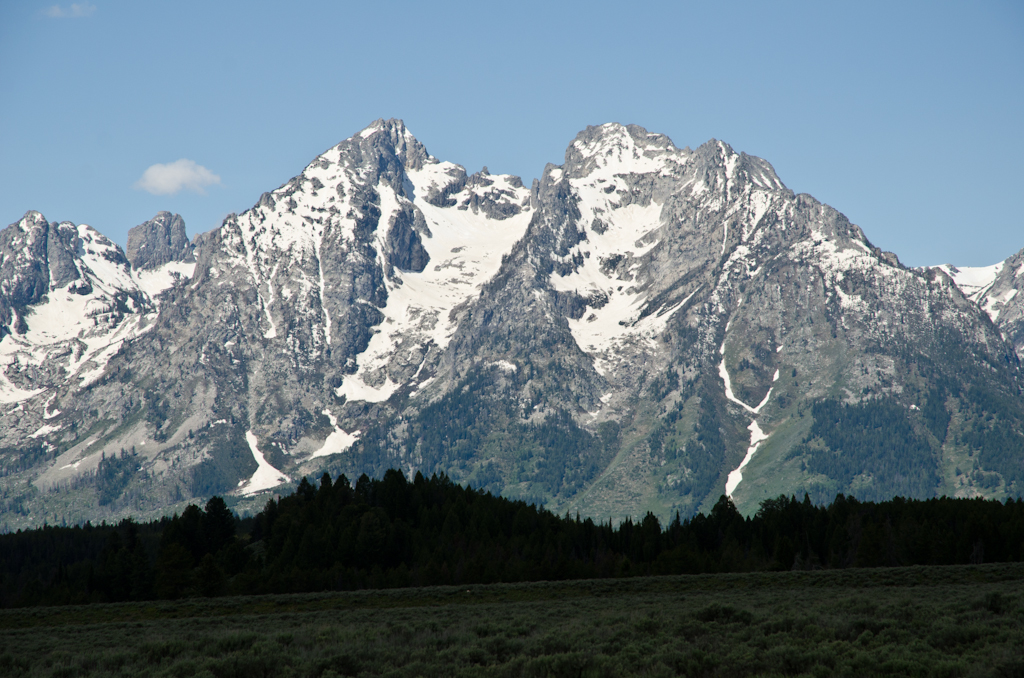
[(392, 533)]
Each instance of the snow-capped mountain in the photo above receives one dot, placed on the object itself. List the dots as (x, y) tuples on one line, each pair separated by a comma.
[(999, 290), (68, 300), (645, 328), (700, 309)]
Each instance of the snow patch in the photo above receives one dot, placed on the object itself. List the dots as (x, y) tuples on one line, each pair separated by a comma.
[(338, 441), (994, 305), (79, 332), (355, 387), (9, 393), (629, 234), (44, 430), (465, 251), (158, 280), (757, 436), (724, 374), (615, 152), (266, 476), (973, 281)]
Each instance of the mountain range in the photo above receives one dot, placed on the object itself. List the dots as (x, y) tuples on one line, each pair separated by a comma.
[(645, 328)]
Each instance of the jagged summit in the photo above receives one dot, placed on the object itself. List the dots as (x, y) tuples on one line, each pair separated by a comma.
[(159, 241), (645, 328), (394, 134), (38, 257), (614, 148), (68, 301), (999, 290)]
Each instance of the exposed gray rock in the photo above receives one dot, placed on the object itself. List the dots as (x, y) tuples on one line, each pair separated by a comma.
[(62, 245), (24, 269), (404, 247), (613, 340), (159, 241), (1003, 299), (1006, 297)]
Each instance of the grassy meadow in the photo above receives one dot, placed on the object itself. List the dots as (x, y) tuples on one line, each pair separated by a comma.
[(915, 621)]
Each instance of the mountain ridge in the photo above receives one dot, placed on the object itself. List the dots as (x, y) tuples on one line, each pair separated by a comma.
[(645, 328)]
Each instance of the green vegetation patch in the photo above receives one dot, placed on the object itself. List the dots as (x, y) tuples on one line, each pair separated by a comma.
[(960, 621), (871, 450)]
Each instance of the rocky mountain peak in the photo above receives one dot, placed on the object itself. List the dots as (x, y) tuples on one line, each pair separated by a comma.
[(159, 241), (999, 290), (392, 136), (38, 257), (32, 220), (646, 328), (613, 148), (69, 299), (24, 271), (715, 165)]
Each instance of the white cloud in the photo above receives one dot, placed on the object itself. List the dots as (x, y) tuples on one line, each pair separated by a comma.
[(167, 179), (77, 9)]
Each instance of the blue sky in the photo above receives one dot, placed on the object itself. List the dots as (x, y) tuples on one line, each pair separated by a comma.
[(906, 117)]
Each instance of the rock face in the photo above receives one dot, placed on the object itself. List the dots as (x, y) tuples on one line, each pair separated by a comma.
[(67, 302), (999, 290), (159, 241), (1004, 301), (646, 328)]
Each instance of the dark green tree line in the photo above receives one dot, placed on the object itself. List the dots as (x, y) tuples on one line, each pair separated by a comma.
[(392, 532)]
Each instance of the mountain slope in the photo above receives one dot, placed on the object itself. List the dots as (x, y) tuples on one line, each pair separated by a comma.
[(245, 368), (684, 310), (68, 301), (646, 328), (998, 290)]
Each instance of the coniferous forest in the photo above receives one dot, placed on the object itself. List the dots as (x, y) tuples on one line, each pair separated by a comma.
[(393, 577), (392, 533)]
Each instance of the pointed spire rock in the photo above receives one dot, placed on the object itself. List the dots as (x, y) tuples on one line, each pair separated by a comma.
[(159, 241)]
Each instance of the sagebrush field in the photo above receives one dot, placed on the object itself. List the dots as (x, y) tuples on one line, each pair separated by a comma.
[(916, 621)]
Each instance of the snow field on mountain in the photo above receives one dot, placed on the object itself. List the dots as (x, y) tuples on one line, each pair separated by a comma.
[(43, 430), (295, 227), (615, 151), (973, 281), (157, 280), (9, 393), (266, 476), (757, 436), (977, 285), (83, 331), (993, 305), (834, 262), (421, 302), (601, 329), (731, 396), (465, 252), (338, 440), (628, 234), (76, 329)]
